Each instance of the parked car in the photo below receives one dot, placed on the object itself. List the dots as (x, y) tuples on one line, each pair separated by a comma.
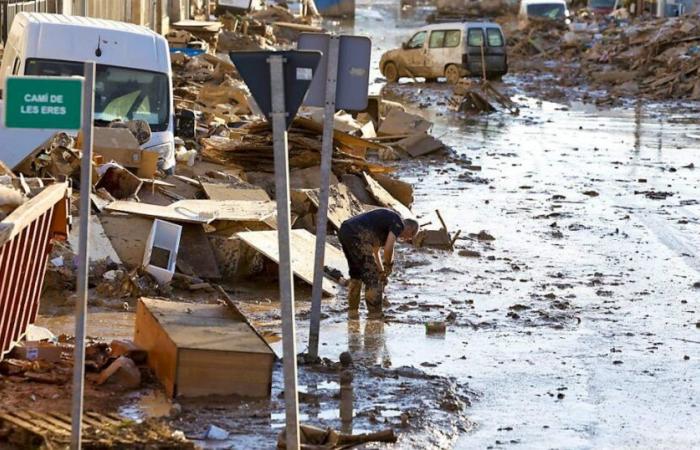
[(555, 10), (452, 50), (133, 77)]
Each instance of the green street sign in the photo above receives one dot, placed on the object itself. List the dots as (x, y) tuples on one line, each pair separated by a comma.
[(54, 103)]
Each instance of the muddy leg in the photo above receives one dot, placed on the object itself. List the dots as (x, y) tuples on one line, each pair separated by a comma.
[(373, 298), (354, 292)]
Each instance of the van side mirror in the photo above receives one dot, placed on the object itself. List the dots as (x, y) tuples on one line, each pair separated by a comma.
[(404, 45)]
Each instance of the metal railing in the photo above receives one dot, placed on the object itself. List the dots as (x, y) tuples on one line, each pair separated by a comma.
[(25, 243)]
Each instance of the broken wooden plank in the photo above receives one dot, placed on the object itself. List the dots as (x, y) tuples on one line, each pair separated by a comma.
[(226, 191), (196, 253), (386, 199), (342, 204), (420, 145), (159, 212), (303, 249), (400, 122)]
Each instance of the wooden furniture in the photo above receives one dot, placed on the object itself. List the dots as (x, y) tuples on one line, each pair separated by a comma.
[(197, 350)]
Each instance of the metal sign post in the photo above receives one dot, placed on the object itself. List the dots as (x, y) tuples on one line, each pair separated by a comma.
[(83, 260), (342, 81), (279, 140), (279, 81), (322, 216)]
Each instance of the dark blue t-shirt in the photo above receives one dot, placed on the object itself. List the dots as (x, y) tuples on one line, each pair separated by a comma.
[(378, 223)]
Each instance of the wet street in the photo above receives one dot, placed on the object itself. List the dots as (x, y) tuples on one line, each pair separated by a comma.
[(571, 322), (578, 325)]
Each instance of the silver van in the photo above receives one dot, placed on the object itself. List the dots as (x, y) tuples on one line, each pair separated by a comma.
[(450, 50)]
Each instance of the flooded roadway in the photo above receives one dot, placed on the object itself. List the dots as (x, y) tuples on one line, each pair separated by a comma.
[(577, 327)]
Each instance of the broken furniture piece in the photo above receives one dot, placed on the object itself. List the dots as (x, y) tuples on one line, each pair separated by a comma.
[(197, 350), (441, 238)]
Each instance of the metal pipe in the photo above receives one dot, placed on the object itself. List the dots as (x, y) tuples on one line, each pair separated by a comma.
[(322, 216), (83, 259), (279, 139)]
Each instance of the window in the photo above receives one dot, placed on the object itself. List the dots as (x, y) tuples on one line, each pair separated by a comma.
[(417, 40), (445, 38), (15, 66), (452, 38), (436, 39), (494, 37), (552, 11), (475, 38), (120, 92)]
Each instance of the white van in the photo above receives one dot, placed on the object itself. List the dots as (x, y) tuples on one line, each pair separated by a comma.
[(555, 10), (133, 75)]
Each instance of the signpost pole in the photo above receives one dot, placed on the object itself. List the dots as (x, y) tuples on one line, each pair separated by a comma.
[(279, 138), (83, 260), (322, 216)]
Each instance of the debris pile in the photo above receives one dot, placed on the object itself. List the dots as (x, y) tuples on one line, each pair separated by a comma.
[(651, 58)]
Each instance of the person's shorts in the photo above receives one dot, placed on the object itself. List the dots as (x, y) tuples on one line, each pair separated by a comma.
[(358, 251)]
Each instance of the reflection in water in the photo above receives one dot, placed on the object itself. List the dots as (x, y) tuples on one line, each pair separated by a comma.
[(638, 126), (369, 347), (346, 401)]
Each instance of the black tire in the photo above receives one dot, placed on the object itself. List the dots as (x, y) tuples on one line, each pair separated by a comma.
[(391, 72)]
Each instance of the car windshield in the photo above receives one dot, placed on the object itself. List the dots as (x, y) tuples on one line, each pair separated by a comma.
[(120, 93), (547, 10)]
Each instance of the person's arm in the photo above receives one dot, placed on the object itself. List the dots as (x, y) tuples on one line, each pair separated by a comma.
[(389, 249), (378, 260)]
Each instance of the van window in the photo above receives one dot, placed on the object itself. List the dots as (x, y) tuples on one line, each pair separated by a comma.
[(436, 39), (494, 37), (475, 38), (120, 93), (452, 38), (417, 40), (444, 38)]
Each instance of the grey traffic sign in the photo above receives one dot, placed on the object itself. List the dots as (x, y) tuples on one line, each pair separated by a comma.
[(353, 70), (299, 70)]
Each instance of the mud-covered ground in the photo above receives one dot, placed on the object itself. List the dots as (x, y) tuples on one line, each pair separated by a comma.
[(572, 321)]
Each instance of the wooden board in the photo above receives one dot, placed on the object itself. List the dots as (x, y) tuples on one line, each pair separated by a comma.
[(196, 254), (420, 145), (100, 246), (162, 351), (200, 211), (158, 212), (401, 123), (128, 236), (303, 249), (231, 210), (342, 204), (31, 210), (385, 199), (224, 191)]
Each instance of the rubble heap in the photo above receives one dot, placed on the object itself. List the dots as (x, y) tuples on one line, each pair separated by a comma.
[(651, 58)]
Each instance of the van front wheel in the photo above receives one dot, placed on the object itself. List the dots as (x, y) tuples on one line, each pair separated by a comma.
[(391, 72), (452, 73)]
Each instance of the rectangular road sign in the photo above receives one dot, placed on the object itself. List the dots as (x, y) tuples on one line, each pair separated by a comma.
[(353, 70), (54, 103)]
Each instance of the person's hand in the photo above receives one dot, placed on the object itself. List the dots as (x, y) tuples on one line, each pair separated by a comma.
[(388, 268)]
